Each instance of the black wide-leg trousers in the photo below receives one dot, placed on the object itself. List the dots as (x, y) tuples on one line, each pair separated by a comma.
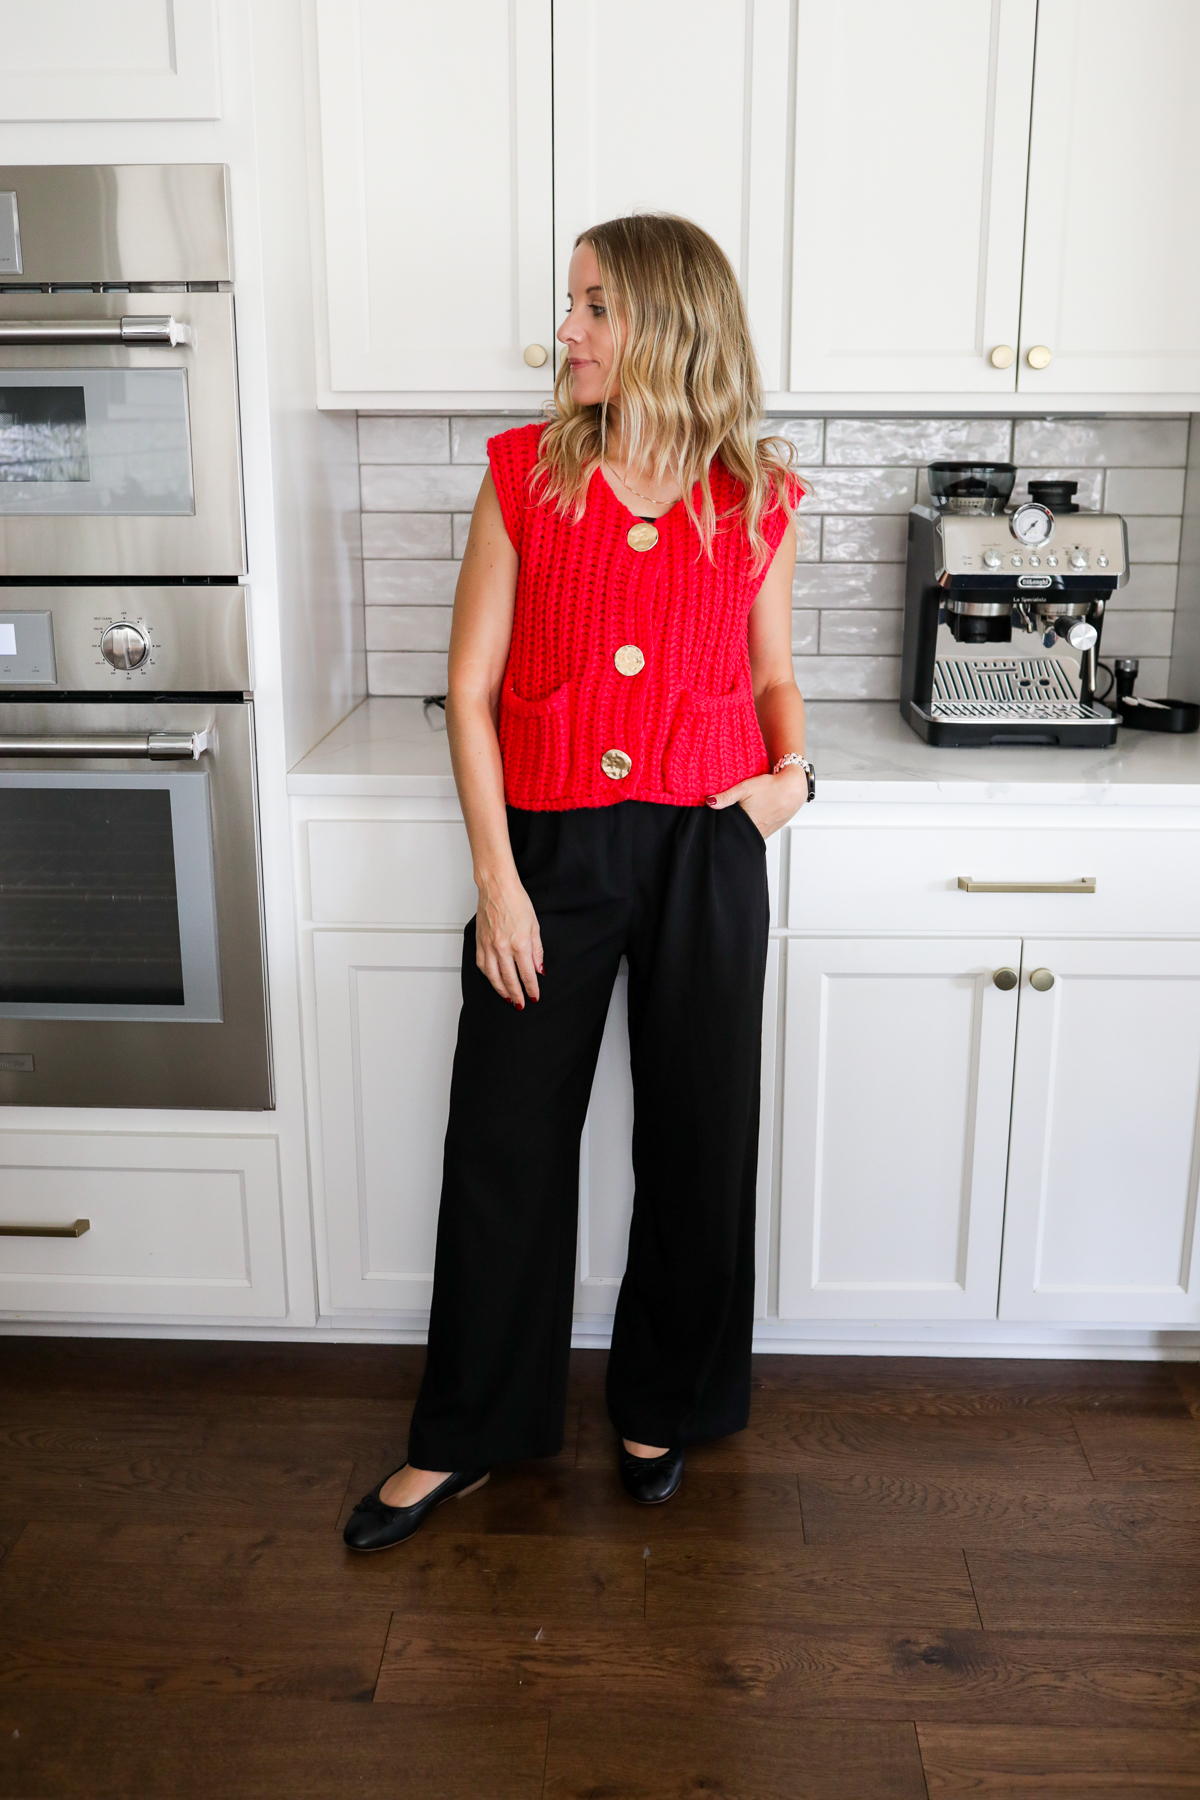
[(681, 891)]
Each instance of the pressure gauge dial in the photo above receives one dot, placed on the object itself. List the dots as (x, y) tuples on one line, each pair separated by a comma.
[(1032, 524)]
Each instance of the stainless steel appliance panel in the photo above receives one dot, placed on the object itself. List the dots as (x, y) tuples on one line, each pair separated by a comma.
[(196, 637), (161, 1061), (99, 483), (118, 222)]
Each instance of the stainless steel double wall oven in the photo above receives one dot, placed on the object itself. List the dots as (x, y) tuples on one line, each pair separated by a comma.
[(132, 968)]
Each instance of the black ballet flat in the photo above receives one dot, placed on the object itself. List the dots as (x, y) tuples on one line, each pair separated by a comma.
[(651, 1479), (375, 1526)]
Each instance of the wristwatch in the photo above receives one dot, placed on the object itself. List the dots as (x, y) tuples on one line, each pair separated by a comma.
[(801, 762)]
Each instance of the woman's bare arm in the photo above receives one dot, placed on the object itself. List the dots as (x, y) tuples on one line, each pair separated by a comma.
[(771, 800), (508, 945)]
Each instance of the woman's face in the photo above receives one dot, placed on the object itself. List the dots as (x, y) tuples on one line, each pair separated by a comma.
[(587, 333)]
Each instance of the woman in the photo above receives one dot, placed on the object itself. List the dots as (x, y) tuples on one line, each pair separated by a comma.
[(626, 731)]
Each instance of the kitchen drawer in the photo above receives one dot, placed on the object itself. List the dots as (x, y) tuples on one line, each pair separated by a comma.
[(904, 877), (179, 1227), (390, 872)]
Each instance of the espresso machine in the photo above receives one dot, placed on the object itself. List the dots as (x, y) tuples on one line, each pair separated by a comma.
[(1003, 611)]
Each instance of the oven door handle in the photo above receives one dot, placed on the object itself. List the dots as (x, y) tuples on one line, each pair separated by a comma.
[(137, 328), (160, 746)]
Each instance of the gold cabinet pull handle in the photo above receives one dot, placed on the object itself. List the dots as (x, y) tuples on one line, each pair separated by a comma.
[(1042, 980), (1005, 980), (1086, 884), (71, 1231), (1002, 356), (1038, 357), (536, 355)]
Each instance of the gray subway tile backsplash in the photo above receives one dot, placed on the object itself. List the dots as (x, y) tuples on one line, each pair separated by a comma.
[(856, 490), (1138, 634), (862, 633), (1102, 443), (420, 487), (917, 441), (406, 534), (850, 537), (1145, 491), (1150, 588), (848, 584), (408, 628), (409, 583), (387, 438), (1151, 539), (470, 432), (420, 476)]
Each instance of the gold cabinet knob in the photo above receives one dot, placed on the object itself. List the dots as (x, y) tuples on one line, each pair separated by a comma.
[(1002, 356), (535, 355), (1038, 357), (1005, 980), (1042, 980)]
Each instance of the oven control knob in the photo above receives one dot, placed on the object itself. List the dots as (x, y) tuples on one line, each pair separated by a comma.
[(1078, 559), (124, 646), (992, 558)]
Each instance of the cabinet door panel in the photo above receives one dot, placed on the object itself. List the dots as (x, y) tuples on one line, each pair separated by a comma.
[(436, 155), (912, 134), (387, 1019), (897, 1078), (1100, 1222), (180, 1226), (668, 108), (1112, 252)]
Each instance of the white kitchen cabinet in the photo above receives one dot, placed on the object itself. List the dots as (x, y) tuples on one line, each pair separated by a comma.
[(436, 175), (911, 140), (897, 1081), (1112, 249), (180, 1227), (1105, 1158), (387, 1006), (679, 107), (128, 59)]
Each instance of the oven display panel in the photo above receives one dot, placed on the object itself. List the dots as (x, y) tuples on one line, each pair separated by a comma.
[(95, 441)]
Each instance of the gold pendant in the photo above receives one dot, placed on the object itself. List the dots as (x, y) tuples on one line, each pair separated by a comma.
[(642, 536)]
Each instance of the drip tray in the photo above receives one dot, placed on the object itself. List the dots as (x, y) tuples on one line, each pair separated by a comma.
[(1034, 689)]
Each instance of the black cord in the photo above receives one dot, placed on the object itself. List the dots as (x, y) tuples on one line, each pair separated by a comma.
[(435, 700), (1112, 680)]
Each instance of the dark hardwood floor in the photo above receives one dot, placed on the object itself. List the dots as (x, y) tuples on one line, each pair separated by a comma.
[(908, 1580)]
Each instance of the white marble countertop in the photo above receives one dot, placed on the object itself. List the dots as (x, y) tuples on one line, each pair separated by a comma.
[(863, 751)]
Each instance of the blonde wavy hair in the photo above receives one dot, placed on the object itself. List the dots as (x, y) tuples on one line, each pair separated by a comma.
[(689, 384)]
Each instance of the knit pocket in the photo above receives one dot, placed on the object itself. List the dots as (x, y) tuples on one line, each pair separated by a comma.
[(711, 743), (535, 745)]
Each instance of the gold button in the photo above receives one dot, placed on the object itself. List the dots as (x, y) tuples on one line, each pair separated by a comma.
[(629, 660), (616, 764), (642, 536)]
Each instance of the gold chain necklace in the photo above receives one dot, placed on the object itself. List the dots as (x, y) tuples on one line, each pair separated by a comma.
[(628, 484)]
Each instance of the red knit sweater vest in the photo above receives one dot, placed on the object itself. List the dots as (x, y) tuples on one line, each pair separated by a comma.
[(644, 653)]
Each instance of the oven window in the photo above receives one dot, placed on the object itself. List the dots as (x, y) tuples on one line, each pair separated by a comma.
[(88, 906), (43, 434), (95, 441)]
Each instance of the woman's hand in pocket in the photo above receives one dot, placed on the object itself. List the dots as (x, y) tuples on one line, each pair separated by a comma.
[(770, 800), (508, 943)]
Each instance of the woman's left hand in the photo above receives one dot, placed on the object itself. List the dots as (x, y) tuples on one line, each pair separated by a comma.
[(771, 800)]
